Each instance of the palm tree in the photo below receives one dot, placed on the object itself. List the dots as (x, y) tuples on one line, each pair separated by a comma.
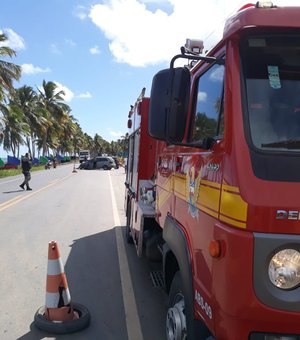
[(124, 143), (98, 145), (25, 100), (78, 139), (116, 147), (13, 129), (54, 111), (67, 135), (8, 73), (88, 142)]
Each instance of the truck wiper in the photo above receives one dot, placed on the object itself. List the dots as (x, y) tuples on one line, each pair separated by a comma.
[(288, 144)]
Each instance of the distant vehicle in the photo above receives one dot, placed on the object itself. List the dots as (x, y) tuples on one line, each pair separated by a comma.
[(84, 155), (105, 163)]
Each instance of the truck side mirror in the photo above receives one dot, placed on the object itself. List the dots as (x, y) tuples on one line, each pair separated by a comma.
[(179, 101), (159, 104), (168, 104)]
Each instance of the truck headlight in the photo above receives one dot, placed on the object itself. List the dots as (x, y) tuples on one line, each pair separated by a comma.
[(284, 269)]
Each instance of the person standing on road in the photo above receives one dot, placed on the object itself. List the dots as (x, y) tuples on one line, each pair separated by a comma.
[(26, 166)]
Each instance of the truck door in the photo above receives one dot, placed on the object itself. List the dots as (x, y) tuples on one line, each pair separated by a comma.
[(198, 179)]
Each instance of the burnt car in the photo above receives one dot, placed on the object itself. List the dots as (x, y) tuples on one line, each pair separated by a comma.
[(105, 163)]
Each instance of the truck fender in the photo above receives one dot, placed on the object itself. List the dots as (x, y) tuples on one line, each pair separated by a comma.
[(176, 243), (176, 257)]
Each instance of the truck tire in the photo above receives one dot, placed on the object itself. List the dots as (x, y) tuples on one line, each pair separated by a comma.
[(128, 220), (105, 167), (176, 319), (176, 328)]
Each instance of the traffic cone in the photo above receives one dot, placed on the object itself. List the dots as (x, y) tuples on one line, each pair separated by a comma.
[(58, 305), (74, 170)]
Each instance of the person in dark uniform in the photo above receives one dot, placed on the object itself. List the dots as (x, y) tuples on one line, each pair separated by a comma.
[(26, 166)]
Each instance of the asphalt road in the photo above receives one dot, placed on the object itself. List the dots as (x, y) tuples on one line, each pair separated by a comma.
[(83, 211)]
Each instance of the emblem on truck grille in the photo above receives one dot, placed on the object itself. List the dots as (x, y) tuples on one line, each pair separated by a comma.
[(287, 215)]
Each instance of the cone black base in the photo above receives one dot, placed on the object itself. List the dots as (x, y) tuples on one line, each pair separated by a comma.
[(64, 327)]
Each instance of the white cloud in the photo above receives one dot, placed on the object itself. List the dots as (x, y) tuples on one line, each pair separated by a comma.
[(95, 50), (31, 69), (217, 75), (202, 96), (54, 49), (81, 12), (140, 37), (85, 95), (69, 95), (116, 134), (154, 1), (14, 41), (71, 42)]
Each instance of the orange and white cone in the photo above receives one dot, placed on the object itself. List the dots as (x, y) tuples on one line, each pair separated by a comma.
[(58, 300)]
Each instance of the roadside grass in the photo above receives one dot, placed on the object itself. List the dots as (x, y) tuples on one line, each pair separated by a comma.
[(14, 172)]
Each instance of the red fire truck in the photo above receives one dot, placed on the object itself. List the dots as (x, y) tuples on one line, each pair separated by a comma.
[(215, 190)]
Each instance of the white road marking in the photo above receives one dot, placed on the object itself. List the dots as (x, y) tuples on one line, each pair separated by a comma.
[(20, 198), (13, 180), (18, 177), (134, 330)]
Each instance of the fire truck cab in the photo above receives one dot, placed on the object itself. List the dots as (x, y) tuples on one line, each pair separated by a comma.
[(227, 181)]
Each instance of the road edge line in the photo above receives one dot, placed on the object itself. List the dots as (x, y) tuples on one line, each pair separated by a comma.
[(134, 330)]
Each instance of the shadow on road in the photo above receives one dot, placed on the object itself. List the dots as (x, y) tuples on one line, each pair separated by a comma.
[(34, 334), (93, 275), (92, 271), (10, 192)]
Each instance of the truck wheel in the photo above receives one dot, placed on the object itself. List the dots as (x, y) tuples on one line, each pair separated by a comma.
[(176, 327), (127, 230), (105, 167), (176, 319)]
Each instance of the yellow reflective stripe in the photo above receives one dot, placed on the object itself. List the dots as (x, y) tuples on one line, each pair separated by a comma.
[(233, 208), (165, 192), (232, 205), (233, 222), (208, 211), (180, 186), (230, 188), (211, 184), (180, 176), (209, 197)]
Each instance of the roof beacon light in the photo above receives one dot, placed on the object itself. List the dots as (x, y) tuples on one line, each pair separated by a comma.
[(194, 46), (264, 4)]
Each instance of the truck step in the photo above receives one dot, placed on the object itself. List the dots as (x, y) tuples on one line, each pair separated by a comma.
[(157, 278)]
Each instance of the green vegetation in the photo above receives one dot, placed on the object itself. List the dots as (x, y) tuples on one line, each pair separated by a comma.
[(40, 119), (14, 172)]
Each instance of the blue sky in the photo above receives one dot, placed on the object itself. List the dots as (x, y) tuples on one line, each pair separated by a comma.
[(102, 53)]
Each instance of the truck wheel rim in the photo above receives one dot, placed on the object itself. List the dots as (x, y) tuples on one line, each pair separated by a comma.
[(176, 322)]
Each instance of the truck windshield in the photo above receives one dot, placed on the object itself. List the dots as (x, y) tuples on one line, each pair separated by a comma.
[(271, 67)]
